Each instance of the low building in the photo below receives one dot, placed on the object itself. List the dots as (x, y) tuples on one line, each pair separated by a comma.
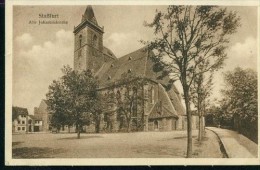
[(35, 123), (20, 120)]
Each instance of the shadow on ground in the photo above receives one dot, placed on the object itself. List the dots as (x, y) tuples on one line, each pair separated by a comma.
[(180, 137), (82, 137), (159, 151), (34, 152), (16, 143)]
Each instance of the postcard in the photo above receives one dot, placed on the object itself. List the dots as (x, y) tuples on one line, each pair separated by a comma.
[(132, 83)]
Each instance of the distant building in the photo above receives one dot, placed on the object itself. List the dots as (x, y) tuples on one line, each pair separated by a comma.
[(42, 114), (20, 120)]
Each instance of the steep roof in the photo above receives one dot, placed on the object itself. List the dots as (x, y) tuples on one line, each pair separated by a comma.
[(89, 15), (176, 101), (20, 111), (164, 107), (16, 111), (138, 62)]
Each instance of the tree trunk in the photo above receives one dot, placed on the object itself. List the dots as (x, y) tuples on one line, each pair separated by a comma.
[(97, 127), (69, 128), (200, 121), (78, 131), (128, 125), (200, 128), (189, 122)]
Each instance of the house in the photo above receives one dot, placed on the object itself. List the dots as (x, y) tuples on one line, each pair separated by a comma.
[(42, 117), (20, 120), (35, 123), (161, 109)]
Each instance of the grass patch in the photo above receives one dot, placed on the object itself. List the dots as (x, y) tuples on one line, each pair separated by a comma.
[(34, 152)]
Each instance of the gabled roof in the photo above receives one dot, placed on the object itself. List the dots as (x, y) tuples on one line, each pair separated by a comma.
[(162, 113), (20, 110), (16, 111), (164, 107)]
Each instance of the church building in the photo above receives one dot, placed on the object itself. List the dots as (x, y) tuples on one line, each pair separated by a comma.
[(161, 109)]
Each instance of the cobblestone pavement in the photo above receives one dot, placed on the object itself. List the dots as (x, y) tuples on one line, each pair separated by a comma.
[(236, 145), (114, 145)]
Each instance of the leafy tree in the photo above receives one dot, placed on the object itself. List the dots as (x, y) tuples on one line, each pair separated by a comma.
[(187, 36), (131, 99), (240, 93), (72, 97)]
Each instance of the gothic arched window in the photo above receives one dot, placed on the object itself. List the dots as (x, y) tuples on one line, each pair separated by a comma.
[(134, 111), (94, 40), (80, 41)]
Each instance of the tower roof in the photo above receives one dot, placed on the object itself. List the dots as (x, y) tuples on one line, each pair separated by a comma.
[(88, 18), (89, 15)]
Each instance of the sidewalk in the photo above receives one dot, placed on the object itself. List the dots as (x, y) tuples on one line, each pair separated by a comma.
[(236, 145)]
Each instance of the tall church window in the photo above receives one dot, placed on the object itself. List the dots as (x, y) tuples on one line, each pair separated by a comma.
[(80, 41), (134, 111), (151, 95), (146, 92), (94, 40)]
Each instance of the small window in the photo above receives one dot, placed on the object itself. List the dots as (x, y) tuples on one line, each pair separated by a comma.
[(19, 128), (23, 128), (19, 121), (23, 122)]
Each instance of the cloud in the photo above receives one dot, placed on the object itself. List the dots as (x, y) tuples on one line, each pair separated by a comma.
[(243, 54), (24, 40), (123, 43), (36, 66)]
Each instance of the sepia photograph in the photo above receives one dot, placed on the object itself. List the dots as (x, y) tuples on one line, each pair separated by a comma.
[(133, 81)]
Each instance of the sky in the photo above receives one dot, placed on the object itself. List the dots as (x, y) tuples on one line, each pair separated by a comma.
[(40, 51)]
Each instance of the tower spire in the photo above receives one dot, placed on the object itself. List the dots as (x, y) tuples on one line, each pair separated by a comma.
[(89, 15)]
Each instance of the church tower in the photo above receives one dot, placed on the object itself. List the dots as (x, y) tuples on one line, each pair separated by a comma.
[(88, 47)]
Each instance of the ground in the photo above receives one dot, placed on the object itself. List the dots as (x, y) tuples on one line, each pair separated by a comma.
[(114, 145)]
